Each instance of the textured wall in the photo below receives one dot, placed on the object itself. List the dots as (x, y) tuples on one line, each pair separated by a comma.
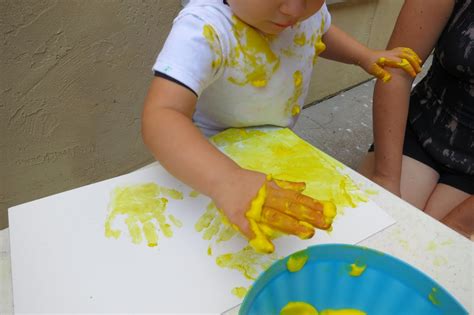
[(73, 76)]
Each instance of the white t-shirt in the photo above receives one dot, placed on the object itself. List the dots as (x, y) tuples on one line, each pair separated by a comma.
[(242, 77)]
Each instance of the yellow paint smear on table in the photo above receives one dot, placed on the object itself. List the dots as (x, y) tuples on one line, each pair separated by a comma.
[(296, 261), (144, 210), (247, 261), (286, 156), (252, 56)]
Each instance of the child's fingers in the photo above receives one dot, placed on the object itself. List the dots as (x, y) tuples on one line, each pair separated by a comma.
[(380, 73), (298, 206), (404, 64), (295, 186), (415, 65), (412, 53), (260, 243), (285, 223)]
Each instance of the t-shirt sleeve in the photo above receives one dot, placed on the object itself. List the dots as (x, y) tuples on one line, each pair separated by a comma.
[(192, 53), (326, 17)]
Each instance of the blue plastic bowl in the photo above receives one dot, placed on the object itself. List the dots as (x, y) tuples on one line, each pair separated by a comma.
[(387, 286)]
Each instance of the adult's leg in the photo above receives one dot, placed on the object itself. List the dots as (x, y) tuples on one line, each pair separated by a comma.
[(443, 200), (417, 182), (461, 218)]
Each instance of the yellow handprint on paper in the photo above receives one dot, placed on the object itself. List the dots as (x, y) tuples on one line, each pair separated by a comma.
[(143, 207), (215, 226)]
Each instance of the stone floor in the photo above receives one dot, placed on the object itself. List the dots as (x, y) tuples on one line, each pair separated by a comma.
[(342, 125)]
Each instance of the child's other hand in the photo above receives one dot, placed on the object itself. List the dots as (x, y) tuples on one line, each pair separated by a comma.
[(400, 57), (258, 206)]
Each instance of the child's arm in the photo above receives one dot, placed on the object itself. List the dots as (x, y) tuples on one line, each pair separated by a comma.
[(180, 147), (343, 48), (418, 26)]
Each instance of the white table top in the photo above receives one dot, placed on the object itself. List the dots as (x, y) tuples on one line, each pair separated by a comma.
[(416, 238)]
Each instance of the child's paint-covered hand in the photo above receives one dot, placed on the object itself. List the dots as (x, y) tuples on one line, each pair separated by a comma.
[(400, 57), (271, 206)]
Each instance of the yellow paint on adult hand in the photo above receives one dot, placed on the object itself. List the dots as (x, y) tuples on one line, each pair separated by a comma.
[(298, 308), (296, 261)]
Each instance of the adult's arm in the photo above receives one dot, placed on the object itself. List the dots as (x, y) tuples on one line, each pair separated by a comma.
[(418, 26)]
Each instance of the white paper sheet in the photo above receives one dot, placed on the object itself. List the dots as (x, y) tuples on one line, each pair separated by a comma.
[(63, 262)]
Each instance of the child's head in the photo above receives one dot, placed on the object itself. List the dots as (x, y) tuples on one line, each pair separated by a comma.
[(273, 16)]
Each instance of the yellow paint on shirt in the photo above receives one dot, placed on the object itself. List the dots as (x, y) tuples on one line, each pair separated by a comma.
[(144, 212), (319, 45), (300, 39), (252, 56), (293, 101), (296, 261), (213, 40), (247, 261)]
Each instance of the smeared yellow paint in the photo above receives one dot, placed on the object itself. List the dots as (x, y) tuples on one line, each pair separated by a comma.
[(433, 296), (295, 110), (194, 194), (357, 269), (175, 221), (345, 311), (300, 39), (252, 56), (260, 243), (239, 292), (286, 156), (292, 102), (144, 212), (296, 262), (247, 261), (213, 40), (225, 138), (298, 308), (318, 43), (214, 225)]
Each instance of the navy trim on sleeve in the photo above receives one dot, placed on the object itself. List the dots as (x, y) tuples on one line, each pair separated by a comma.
[(167, 77)]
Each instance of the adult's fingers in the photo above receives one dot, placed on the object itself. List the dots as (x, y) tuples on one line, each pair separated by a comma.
[(285, 223), (380, 73)]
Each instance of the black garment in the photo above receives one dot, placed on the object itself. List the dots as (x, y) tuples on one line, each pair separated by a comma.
[(441, 112), (412, 148)]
